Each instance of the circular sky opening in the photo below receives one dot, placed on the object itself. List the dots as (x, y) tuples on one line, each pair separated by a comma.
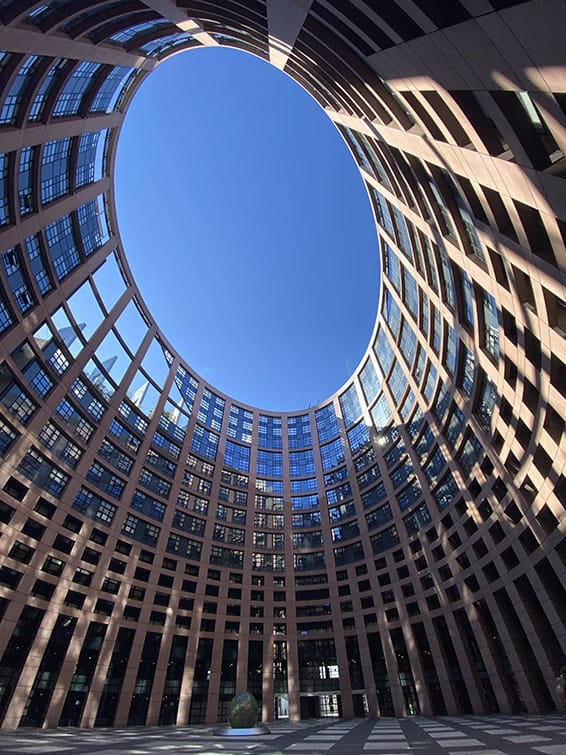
[(248, 228)]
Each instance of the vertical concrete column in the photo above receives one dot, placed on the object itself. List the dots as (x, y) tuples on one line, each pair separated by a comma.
[(343, 670), (369, 680), (268, 700), (187, 682), (393, 674), (293, 678)]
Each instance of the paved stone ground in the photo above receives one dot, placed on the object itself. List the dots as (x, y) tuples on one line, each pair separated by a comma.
[(448, 735)]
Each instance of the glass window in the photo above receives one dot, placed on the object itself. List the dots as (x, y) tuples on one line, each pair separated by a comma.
[(454, 426), (16, 277), (299, 431), (54, 177), (211, 410), (383, 213), (402, 233), (270, 432), (75, 421), (391, 267), (470, 453), (7, 436), (408, 343), (37, 107), (409, 495), (310, 519), (354, 141), (109, 92), (71, 96), (126, 35), (447, 278), (303, 486), (332, 454), (155, 483), (491, 324), (397, 383), (436, 329), (425, 442), (90, 155), (410, 293), (205, 443), (16, 93), (240, 424), (38, 378), (304, 502), (5, 215), (26, 198), (42, 473), (18, 403), (350, 405), (450, 346), (431, 262), (157, 47), (237, 457), (379, 516), (269, 463), (375, 495), (339, 494), (358, 437), (467, 370), (383, 351), (435, 465), (61, 246), (326, 423), (187, 386), (485, 404), (417, 519), (381, 413), (51, 437), (115, 457), (384, 540), (368, 477), (430, 383), (301, 463), (446, 491), (370, 381), (467, 298), (93, 223), (35, 255)]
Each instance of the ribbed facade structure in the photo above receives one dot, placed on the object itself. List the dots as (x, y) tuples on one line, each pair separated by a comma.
[(398, 549)]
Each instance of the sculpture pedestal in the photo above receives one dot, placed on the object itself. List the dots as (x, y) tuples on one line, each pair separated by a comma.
[(229, 731)]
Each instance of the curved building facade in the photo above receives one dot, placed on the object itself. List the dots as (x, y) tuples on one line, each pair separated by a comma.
[(398, 549)]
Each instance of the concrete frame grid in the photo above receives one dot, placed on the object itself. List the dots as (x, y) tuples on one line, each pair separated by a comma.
[(158, 555)]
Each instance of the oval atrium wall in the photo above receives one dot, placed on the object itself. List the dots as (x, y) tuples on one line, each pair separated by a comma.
[(398, 549)]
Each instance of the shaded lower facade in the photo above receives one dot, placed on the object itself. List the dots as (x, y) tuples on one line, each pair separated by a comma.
[(399, 549)]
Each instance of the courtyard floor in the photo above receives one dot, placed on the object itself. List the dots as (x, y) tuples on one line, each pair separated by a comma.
[(448, 735)]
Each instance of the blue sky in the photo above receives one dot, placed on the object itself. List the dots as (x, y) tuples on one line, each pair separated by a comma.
[(247, 228)]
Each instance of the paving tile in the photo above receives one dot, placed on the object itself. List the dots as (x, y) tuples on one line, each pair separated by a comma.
[(310, 746), (493, 735), (462, 742), (499, 732), (442, 734)]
